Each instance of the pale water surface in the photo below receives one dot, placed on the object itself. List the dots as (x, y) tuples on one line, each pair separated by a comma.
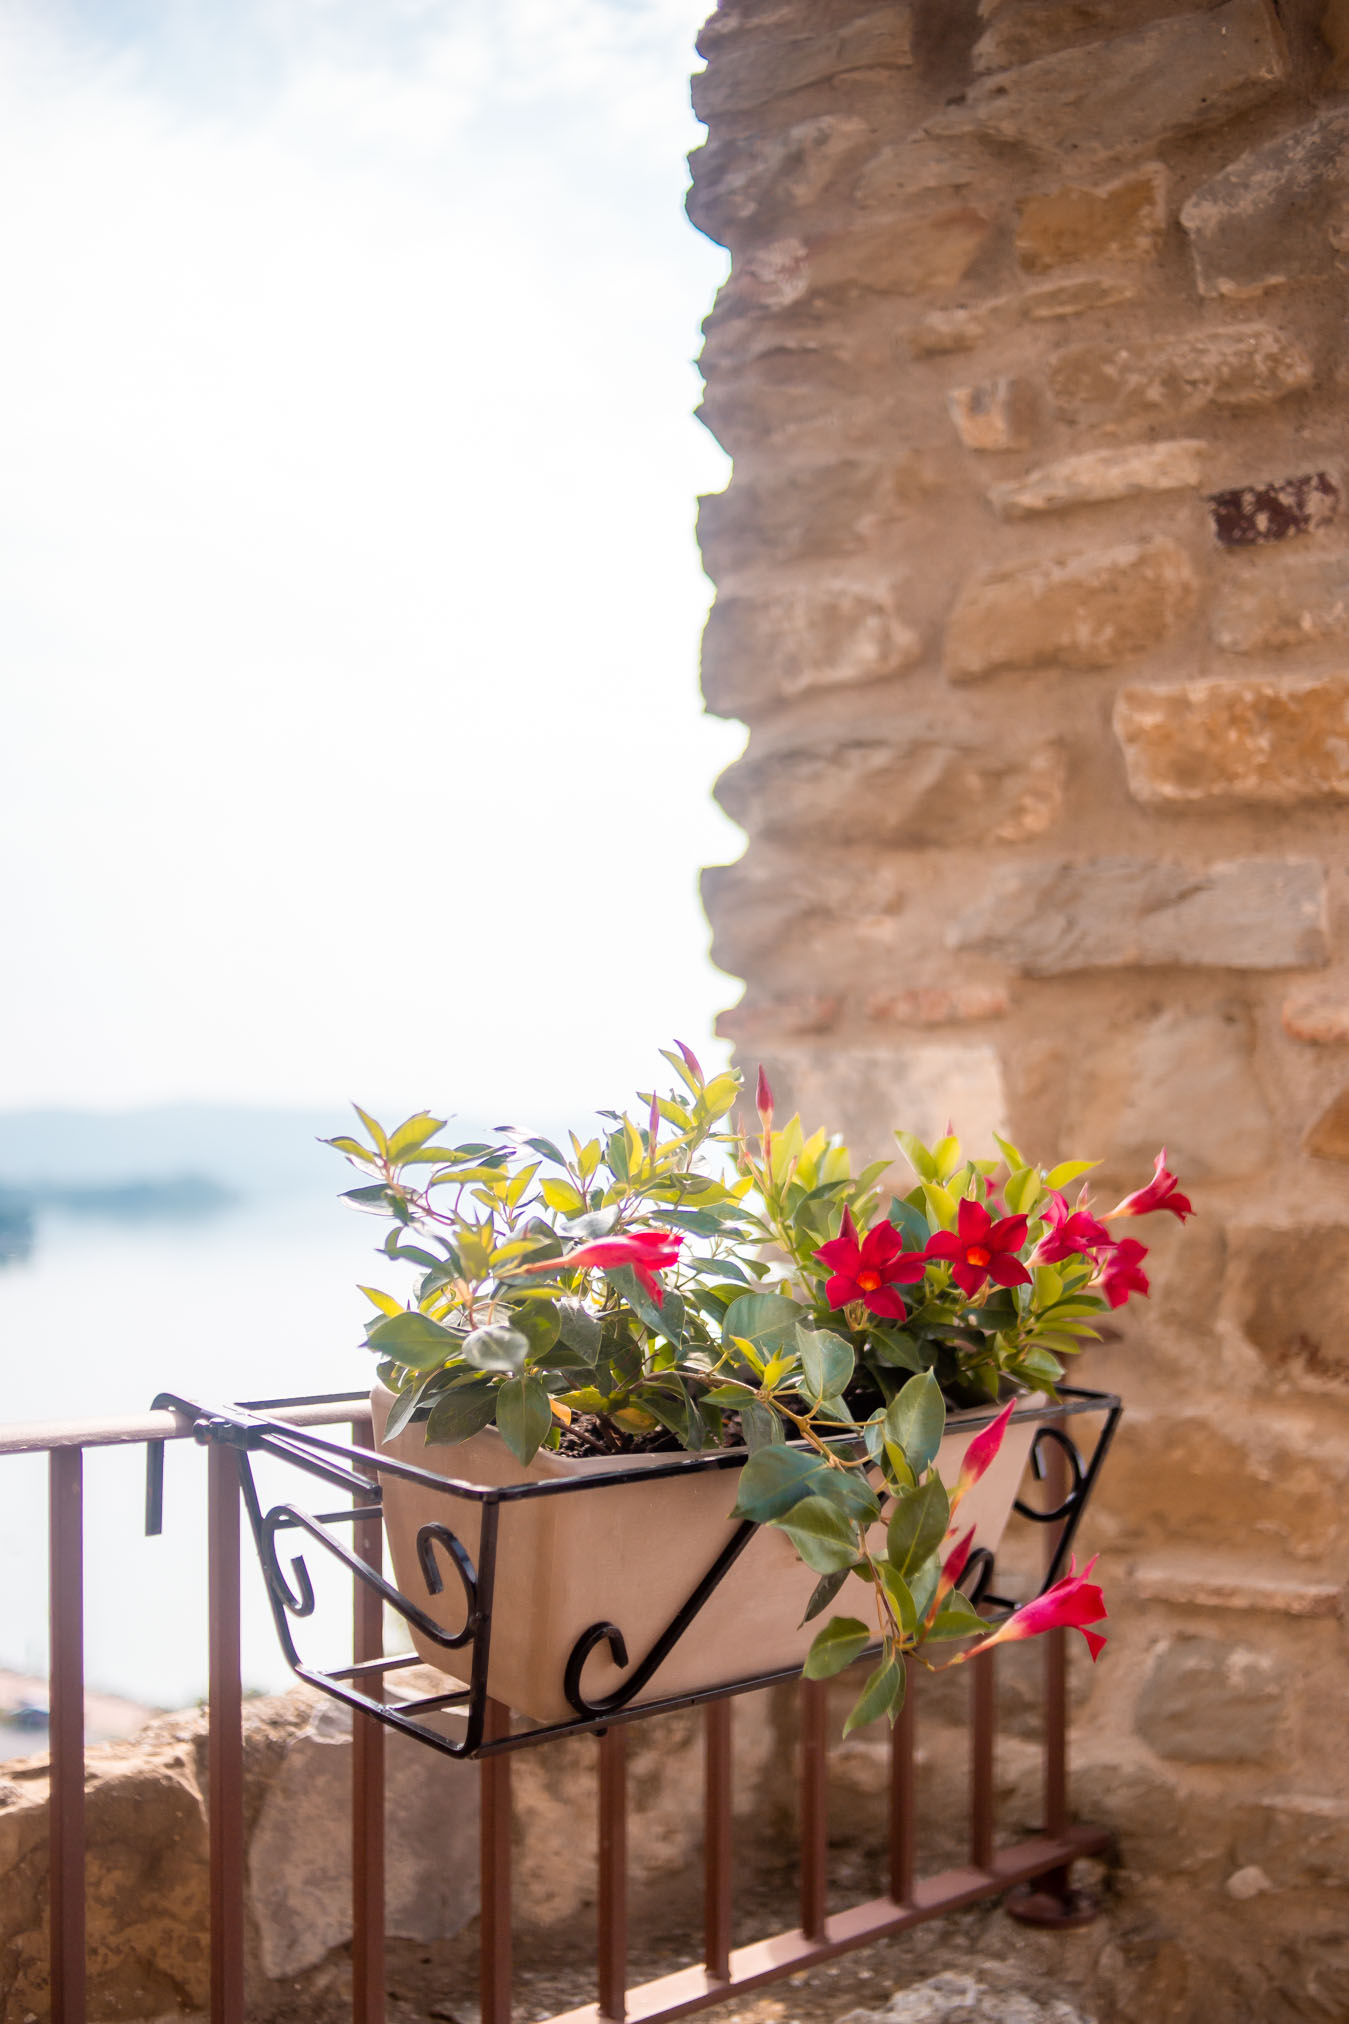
[(260, 1301)]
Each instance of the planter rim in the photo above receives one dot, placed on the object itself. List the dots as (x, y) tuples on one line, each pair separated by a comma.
[(570, 1473)]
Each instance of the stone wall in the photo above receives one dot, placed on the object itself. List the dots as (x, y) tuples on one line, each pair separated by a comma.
[(1033, 590)]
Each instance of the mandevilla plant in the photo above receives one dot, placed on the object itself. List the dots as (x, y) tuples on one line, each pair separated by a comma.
[(673, 1282)]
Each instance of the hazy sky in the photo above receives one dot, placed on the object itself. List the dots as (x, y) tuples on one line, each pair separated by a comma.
[(350, 739)]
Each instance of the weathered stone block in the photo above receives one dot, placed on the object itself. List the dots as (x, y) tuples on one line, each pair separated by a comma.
[(938, 1005), (1204, 1701), (865, 1093), (822, 510), (1290, 1294), (1252, 516), (1021, 30), (300, 1851), (1180, 1079), (1328, 1138), (1278, 742), (995, 415), (1210, 1481), (735, 180), (750, 71), (1246, 366), (917, 253), (765, 651), (918, 789), (1175, 77), (1299, 601), (1122, 220), (1098, 475), (1050, 919), (1278, 213), (1085, 610), (1320, 1016), (1334, 26), (947, 330), (1075, 296), (913, 168), (762, 911), (752, 1019)]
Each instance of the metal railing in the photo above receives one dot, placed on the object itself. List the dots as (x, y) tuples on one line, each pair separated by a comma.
[(1038, 1866)]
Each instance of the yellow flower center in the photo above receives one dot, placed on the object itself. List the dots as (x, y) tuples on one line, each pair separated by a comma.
[(978, 1256)]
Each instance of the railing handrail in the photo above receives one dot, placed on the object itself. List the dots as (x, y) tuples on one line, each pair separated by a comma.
[(37, 1437)]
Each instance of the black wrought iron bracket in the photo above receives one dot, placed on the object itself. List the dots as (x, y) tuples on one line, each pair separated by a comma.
[(249, 1430)]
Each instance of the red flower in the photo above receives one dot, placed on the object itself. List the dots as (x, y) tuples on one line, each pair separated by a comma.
[(1119, 1270), (869, 1269), (1068, 1234), (647, 1251), (981, 1453), (1161, 1192), (1073, 1602), (763, 1098), (981, 1249), (952, 1568)]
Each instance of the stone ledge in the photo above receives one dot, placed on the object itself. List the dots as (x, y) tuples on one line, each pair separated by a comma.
[(1194, 1587)]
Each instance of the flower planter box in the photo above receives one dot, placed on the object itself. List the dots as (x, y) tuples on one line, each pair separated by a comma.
[(630, 1553)]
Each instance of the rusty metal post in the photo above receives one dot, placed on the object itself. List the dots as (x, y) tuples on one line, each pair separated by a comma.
[(66, 1701), (225, 1748), (367, 1779), (495, 1845), (718, 1804), (983, 1720), (612, 1913), (903, 1796), (814, 1807)]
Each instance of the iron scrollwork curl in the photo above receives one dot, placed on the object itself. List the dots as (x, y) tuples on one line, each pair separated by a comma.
[(300, 1600), (1039, 1469)]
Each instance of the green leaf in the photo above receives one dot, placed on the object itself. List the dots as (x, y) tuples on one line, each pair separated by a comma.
[(916, 1421), (413, 1134), (497, 1347), (946, 1158), (776, 1478), (413, 1340), (918, 1525), (667, 1319), (957, 1617), (523, 1416), (821, 1534), (759, 1423), (768, 1320), (911, 1224), (402, 1409), (823, 1593), (923, 1585), (548, 1150), (826, 1362), (1023, 1191), (941, 1203), (1067, 1171), (895, 1349), (540, 1322), (579, 1328), (595, 1223), (1015, 1160), (883, 1694), (561, 1195), (917, 1155), (901, 1598), (837, 1645), (458, 1414), (1039, 1364), (376, 1131)]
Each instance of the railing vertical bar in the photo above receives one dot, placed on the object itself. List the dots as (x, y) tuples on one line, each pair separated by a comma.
[(367, 1781), (718, 1803), (225, 1750), (495, 1843), (983, 1717), (1056, 1664), (814, 1807), (903, 1796), (613, 1878), (66, 1548)]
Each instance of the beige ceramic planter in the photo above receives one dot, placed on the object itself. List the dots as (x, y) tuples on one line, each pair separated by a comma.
[(630, 1554)]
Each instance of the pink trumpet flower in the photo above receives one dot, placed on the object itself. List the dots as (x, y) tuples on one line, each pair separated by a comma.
[(981, 1453), (1161, 1192), (1120, 1270), (1072, 1603), (1068, 1234), (691, 1061), (647, 1251), (952, 1568)]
